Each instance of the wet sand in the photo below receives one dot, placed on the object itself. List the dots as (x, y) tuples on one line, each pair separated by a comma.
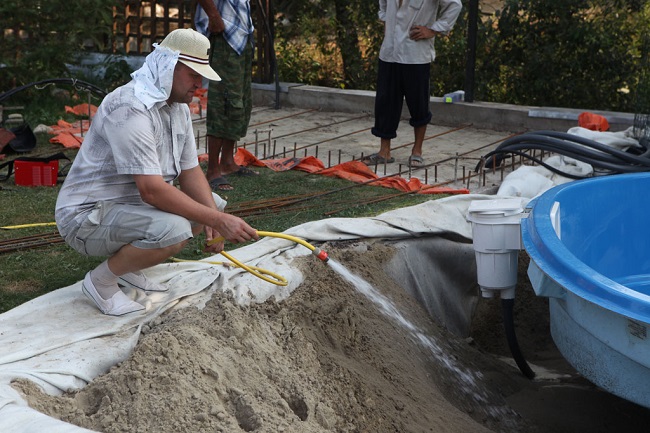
[(329, 359)]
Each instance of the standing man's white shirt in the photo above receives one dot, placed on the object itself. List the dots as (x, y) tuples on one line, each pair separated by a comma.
[(438, 15)]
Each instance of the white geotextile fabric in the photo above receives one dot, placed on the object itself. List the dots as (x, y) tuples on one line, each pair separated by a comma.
[(60, 340), (621, 140)]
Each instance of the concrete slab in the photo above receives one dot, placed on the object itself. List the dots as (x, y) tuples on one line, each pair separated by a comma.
[(334, 125)]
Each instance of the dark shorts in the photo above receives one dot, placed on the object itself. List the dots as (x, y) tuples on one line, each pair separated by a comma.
[(229, 100), (396, 82)]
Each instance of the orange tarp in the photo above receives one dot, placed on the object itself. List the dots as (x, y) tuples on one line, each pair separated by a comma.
[(82, 110), (355, 171), (70, 135)]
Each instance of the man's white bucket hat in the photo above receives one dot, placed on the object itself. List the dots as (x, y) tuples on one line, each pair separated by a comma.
[(194, 49)]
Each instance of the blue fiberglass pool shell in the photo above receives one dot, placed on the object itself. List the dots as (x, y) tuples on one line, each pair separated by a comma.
[(589, 244)]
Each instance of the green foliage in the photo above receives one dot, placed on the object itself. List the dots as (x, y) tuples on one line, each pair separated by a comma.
[(565, 53), (297, 64), (328, 42), (305, 47), (117, 72), (43, 37)]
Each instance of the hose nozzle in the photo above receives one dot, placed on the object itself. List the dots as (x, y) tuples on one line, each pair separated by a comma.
[(321, 254)]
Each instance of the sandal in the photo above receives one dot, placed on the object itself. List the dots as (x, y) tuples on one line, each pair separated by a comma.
[(220, 184), (243, 171), (375, 158), (416, 161)]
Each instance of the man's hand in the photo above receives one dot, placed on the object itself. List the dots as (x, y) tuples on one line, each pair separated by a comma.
[(215, 247), (421, 32), (216, 24), (234, 229)]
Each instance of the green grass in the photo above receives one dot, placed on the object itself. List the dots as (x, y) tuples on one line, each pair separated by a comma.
[(28, 273)]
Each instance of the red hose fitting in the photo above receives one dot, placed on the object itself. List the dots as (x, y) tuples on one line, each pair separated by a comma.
[(320, 254)]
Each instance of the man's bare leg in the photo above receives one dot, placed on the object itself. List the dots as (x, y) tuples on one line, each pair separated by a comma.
[(218, 150), (415, 160), (384, 148), (419, 133), (382, 155), (227, 162), (133, 259)]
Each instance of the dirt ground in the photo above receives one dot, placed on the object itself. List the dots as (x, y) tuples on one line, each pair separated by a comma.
[(328, 360)]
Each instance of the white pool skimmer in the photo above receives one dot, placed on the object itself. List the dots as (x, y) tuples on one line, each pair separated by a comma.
[(496, 234)]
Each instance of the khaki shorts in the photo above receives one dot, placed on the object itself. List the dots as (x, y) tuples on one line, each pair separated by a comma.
[(230, 100), (110, 226)]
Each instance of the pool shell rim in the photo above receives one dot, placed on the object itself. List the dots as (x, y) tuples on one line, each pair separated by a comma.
[(558, 263)]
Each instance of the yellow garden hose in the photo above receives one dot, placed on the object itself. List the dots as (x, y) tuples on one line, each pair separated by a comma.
[(315, 251), (24, 226), (258, 272), (276, 279), (262, 273)]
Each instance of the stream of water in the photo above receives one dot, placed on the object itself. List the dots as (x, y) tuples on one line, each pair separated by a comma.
[(467, 380)]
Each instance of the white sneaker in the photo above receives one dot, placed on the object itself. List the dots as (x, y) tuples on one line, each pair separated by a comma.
[(118, 305), (137, 280)]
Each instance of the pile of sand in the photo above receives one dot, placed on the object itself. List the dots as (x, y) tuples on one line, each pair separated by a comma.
[(325, 360)]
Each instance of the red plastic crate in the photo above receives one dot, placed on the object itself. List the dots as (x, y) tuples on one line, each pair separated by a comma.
[(33, 173)]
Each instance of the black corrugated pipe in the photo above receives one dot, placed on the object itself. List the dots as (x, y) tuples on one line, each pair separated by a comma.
[(591, 152), (507, 307)]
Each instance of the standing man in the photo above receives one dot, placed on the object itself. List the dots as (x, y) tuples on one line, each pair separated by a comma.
[(229, 25), (120, 199), (404, 69)]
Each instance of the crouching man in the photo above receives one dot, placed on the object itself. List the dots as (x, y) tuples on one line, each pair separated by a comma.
[(120, 200)]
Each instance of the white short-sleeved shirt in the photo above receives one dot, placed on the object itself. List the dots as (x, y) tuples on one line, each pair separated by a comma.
[(126, 138), (397, 46)]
